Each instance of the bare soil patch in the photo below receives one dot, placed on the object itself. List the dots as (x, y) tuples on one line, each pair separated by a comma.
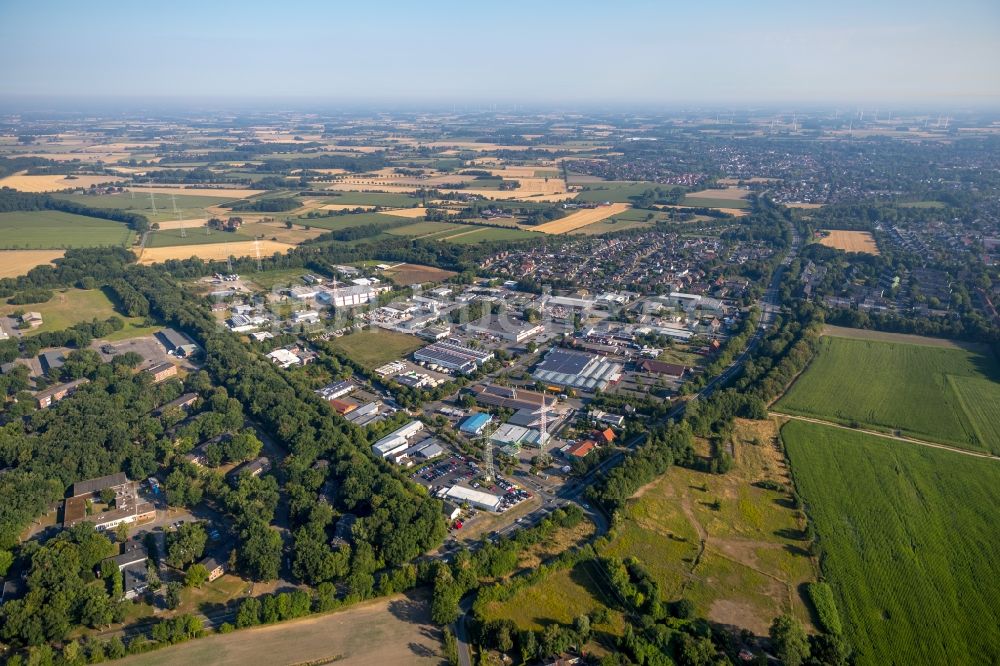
[(395, 630), (415, 273)]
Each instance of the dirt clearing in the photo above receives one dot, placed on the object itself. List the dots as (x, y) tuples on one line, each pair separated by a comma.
[(406, 274), (396, 630), (849, 241), (152, 255), (18, 262), (580, 219)]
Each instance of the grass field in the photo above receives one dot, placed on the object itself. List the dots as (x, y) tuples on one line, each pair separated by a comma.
[(911, 542), (392, 630), (374, 199), (559, 597), (279, 278), (53, 229), (754, 560), (374, 347), (170, 237), (714, 202), (936, 393), (619, 191), (70, 306), (479, 234), (428, 229), (338, 222)]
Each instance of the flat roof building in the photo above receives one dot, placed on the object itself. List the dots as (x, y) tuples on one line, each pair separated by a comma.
[(397, 440), (578, 370), (475, 498), (505, 328), (453, 356)]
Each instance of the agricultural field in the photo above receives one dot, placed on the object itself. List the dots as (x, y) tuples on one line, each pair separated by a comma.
[(936, 393), (480, 234), (277, 231), (614, 191), (338, 222), (152, 255), (53, 229), (406, 274), (428, 229), (714, 202), (737, 550), (849, 241), (391, 630), (18, 262), (374, 199), (911, 543), (580, 219), (71, 306), (54, 183), (193, 236), (374, 347)]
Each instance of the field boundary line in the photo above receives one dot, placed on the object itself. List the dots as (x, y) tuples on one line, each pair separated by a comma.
[(885, 435)]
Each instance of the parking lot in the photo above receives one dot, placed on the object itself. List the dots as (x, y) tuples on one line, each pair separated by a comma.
[(462, 471)]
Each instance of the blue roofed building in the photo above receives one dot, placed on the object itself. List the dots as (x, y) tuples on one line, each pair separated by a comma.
[(474, 424)]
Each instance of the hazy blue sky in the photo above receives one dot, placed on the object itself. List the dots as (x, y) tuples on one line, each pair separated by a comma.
[(739, 51)]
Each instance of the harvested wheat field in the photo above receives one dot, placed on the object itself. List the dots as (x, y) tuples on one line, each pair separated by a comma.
[(850, 241), (804, 206), (54, 183), (394, 630), (730, 193), (580, 219), (19, 262), (200, 191), (186, 224), (152, 255)]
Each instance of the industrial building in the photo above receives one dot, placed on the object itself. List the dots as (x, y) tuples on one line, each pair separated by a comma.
[(475, 498), (341, 297), (176, 342), (336, 390), (505, 328), (474, 424), (578, 370), (453, 356), (397, 440)]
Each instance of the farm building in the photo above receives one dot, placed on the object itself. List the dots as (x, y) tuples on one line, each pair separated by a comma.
[(579, 370), (475, 498), (453, 356), (474, 424)]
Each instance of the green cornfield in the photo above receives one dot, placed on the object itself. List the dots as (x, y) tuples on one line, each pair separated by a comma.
[(942, 394), (910, 542)]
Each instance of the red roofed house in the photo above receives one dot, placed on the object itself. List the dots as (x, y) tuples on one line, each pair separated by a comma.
[(581, 449), (606, 436), (342, 407)]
